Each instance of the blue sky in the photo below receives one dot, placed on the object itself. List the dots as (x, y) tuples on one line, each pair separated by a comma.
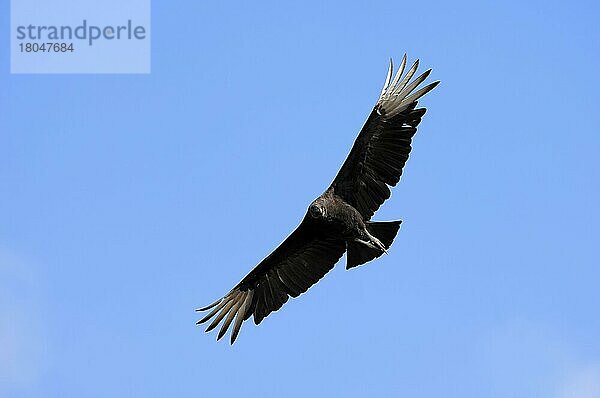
[(119, 194)]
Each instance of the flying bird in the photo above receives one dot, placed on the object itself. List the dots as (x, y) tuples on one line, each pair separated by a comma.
[(338, 221)]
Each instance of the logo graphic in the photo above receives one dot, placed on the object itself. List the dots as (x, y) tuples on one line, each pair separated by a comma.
[(89, 36)]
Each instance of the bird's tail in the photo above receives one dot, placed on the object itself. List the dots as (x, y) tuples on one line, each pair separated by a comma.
[(360, 253)]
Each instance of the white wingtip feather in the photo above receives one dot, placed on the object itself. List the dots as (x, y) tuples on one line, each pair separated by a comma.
[(388, 77), (396, 94)]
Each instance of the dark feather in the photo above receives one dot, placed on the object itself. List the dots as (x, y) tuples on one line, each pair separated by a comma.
[(383, 145), (298, 263)]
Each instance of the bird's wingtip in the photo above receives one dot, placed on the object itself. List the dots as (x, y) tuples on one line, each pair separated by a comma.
[(208, 307)]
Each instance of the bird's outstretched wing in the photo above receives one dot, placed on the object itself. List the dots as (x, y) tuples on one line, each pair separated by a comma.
[(297, 264), (383, 145)]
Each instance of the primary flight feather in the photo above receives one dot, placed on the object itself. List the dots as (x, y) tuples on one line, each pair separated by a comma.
[(338, 221)]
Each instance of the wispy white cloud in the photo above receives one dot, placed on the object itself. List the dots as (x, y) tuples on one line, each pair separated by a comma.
[(532, 360), (20, 340), (582, 383)]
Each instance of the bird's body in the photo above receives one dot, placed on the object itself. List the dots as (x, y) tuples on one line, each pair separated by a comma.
[(339, 220), (331, 213), (336, 215)]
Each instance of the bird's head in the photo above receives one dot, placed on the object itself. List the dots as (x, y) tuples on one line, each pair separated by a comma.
[(316, 210)]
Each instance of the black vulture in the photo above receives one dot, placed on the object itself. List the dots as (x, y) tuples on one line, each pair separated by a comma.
[(338, 221)]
